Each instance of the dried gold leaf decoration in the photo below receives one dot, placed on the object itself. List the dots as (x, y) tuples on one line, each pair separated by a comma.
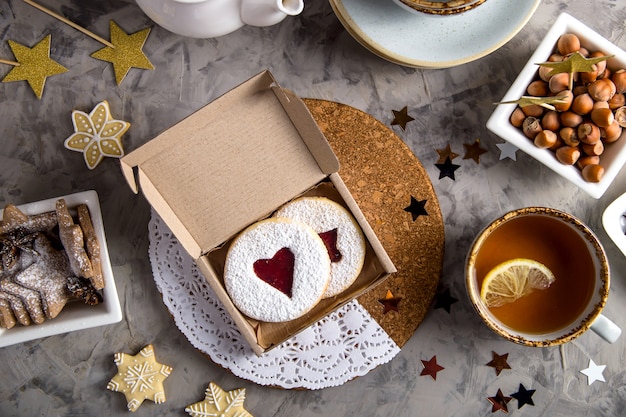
[(546, 102), (574, 63)]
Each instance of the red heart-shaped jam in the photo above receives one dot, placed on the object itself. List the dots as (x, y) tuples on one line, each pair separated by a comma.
[(277, 271), (330, 240)]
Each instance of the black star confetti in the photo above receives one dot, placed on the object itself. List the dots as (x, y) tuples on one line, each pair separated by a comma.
[(431, 367), (473, 151), (447, 169), (401, 117), (390, 303), (499, 362), (523, 396), (446, 153), (499, 402), (416, 208), (444, 300)]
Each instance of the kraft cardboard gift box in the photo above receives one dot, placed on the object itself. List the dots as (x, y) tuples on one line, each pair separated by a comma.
[(234, 162)]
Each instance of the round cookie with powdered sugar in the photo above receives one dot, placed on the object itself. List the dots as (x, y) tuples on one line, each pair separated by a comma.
[(276, 270), (339, 231)]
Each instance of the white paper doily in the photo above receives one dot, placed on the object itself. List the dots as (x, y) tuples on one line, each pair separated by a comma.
[(346, 344)]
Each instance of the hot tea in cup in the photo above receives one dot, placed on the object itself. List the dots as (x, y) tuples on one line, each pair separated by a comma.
[(539, 277)]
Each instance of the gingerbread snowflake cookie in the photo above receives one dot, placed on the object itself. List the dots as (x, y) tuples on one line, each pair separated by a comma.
[(139, 378)]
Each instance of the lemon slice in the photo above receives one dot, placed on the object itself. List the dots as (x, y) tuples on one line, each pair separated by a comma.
[(514, 279)]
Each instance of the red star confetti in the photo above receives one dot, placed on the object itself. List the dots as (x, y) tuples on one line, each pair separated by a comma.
[(139, 377), (446, 153), (401, 117), (499, 402), (431, 367), (507, 151), (416, 208), (390, 303), (523, 396), (218, 402), (594, 372), (473, 151), (447, 169), (499, 362)]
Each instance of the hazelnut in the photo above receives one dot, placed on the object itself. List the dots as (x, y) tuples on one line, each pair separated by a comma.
[(589, 134), (517, 117), (611, 133), (602, 89), (579, 89), (559, 82), (585, 160), (531, 127), (571, 119), (620, 116), (567, 96), (582, 104), (602, 117), (593, 173), (593, 149), (568, 43), (617, 101), (569, 136), (568, 155), (619, 79), (545, 139), (543, 73), (538, 88), (534, 110), (550, 121)]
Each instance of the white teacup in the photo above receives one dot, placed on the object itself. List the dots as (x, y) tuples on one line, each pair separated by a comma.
[(535, 232)]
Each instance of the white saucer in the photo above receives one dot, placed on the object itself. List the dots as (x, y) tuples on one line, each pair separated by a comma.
[(431, 41)]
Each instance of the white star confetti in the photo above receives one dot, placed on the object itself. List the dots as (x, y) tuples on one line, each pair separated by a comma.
[(97, 134), (594, 372), (507, 151)]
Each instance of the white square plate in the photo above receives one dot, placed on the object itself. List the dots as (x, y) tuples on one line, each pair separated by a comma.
[(75, 315), (614, 222), (614, 155)]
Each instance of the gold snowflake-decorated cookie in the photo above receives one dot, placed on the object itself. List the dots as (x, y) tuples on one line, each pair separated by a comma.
[(139, 377), (220, 403), (97, 134)]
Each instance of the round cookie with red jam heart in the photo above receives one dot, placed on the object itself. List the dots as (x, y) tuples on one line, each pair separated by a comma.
[(339, 231), (276, 270)]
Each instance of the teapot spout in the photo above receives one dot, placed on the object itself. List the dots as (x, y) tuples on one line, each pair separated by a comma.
[(269, 12)]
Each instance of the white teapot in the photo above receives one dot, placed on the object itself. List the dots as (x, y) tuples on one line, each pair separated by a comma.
[(212, 18)]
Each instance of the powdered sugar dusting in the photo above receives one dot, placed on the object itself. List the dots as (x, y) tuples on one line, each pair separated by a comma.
[(259, 300), (323, 215)]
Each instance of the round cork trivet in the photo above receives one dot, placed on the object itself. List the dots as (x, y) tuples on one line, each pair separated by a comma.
[(382, 174)]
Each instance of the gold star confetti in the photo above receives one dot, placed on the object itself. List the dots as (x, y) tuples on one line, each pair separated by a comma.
[(218, 402), (499, 402), (97, 134), (446, 153), (401, 117), (139, 377), (499, 362), (34, 65), (127, 52), (474, 151)]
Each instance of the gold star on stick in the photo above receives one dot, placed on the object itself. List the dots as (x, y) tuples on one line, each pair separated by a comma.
[(127, 53), (124, 51), (546, 102), (33, 65), (574, 63)]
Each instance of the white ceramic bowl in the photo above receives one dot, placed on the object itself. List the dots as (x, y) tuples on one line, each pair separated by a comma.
[(75, 315), (614, 222), (614, 155)]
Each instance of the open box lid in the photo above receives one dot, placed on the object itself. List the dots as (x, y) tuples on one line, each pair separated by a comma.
[(231, 163)]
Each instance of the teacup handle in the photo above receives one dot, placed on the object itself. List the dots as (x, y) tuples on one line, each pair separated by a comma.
[(606, 329)]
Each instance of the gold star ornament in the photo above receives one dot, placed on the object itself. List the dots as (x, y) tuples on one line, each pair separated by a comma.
[(33, 65), (218, 402), (127, 53), (97, 134), (139, 377)]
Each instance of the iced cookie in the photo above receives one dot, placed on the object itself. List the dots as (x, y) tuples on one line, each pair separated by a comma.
[(339, 231), (276, 270)]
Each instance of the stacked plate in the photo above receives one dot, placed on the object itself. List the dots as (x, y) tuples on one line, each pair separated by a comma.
[(442, 7)]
